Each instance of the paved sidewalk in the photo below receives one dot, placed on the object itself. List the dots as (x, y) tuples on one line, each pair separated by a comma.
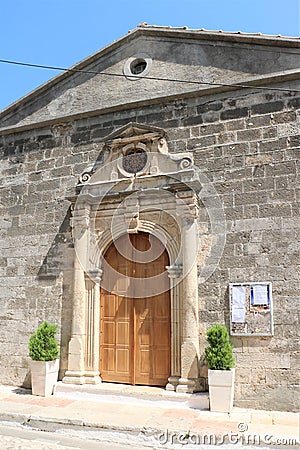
[(140, 417)]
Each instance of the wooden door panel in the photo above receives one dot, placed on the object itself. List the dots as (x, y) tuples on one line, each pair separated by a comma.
[(108, 332), (143, 334), (143, 363), (109, 306), (116, 342), (122, 333), (135, 332), (161, 309), (108, 360), (160, 356), (159, 338), (122, 361)]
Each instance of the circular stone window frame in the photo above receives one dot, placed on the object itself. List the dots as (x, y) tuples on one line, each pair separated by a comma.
[(127, 148), (136, 59)]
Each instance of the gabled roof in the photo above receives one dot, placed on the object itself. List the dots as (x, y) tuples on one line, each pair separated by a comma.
[(50, 101)]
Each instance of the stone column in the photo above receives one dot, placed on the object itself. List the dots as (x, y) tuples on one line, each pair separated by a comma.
[(76, 361), (175, 272), (93, 279), (189, 380)]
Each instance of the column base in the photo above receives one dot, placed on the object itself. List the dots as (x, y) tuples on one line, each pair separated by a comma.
[(72, 377), (172, 383), (92, 377), (188, 385)]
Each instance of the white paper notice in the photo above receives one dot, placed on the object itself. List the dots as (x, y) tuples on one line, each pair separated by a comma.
[(260, 294), (239, 296), (238, 314), (238, 304)]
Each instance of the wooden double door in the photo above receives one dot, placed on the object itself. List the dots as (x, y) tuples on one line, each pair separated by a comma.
[(135, 325)]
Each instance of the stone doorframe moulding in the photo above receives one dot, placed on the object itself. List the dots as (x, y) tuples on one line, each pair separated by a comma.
[(159, 198)]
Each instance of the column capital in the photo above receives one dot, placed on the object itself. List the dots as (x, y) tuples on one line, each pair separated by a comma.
[(187, 206), (187, 220), (95, 274), (174, 271), (80, 219)]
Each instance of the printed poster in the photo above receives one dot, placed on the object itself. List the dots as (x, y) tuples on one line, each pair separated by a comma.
[(238, 304)]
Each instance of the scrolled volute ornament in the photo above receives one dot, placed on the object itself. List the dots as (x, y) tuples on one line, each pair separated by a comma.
[(85, 177), (186, 163)]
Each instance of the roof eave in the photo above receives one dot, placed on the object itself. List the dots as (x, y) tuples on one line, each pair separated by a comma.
[(233, 36)]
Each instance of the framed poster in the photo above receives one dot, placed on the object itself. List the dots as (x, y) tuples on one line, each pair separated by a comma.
[(251, 309)]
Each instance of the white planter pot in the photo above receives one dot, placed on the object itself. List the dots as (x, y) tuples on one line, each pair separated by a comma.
[(221, 389), (44, 376)]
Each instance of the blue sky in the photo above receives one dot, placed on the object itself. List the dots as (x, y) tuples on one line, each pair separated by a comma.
[(62, 32)]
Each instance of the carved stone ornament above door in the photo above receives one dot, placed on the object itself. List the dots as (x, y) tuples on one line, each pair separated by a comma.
[(137, 150)]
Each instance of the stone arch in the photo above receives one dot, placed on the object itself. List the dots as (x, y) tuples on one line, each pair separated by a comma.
[(105, 239)]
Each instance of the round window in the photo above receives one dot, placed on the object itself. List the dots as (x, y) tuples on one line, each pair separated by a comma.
[(138, 66), (134, 160)]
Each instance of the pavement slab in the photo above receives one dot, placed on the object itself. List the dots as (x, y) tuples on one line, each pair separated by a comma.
[(104, 417)]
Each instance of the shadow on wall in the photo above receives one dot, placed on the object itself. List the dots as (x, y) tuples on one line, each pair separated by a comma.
[(56, 274), (55, 278), (27, 381)]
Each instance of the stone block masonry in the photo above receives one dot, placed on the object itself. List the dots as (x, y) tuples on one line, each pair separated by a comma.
[(247, 143)]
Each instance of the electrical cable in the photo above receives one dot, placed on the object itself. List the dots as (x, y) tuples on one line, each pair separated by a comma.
[(174, 80)]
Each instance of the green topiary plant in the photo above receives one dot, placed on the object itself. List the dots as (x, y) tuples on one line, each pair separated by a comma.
[(42, 344), (219, 354)]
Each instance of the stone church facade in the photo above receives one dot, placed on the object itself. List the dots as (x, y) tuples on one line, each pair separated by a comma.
[(135, 189)]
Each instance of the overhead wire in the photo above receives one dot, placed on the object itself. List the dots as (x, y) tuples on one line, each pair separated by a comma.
[(174, 80)]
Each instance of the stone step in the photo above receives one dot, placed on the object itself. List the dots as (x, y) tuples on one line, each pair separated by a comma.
[(140, 395)]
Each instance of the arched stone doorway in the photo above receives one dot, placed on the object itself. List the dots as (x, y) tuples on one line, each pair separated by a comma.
[(135, 326), (128, 195)]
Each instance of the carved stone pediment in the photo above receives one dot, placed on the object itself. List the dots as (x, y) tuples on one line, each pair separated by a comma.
[(128, 133), (136, 152)]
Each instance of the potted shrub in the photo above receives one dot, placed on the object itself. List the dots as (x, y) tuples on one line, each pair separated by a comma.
[(44, 352), (221, 372)]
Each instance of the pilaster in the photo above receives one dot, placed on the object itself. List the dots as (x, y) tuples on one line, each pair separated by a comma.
[(174, 273), (80, 223), (189, 380), (93, 280)]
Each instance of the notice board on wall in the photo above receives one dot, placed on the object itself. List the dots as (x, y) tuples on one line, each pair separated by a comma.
[(251, 309)]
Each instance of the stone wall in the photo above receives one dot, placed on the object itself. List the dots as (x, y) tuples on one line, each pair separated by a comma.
[(246, 143)]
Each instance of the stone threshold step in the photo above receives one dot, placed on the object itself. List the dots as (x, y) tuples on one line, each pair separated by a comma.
[(139, 395)]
